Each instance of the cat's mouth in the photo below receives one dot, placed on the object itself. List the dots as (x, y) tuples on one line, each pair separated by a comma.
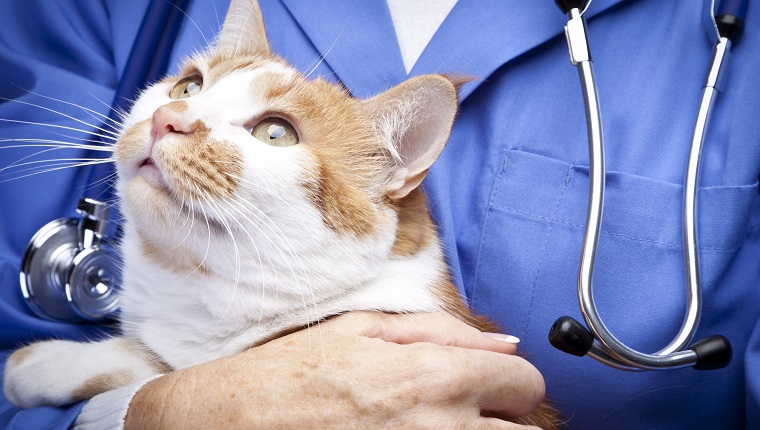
[(150, 172)]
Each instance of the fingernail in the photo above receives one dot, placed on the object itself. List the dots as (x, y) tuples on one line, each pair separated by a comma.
[(503, 337)]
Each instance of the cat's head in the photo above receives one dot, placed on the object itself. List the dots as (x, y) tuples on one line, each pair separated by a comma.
[(240, 159)]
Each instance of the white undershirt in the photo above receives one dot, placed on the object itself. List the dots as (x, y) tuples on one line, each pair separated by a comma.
[(416, 21)]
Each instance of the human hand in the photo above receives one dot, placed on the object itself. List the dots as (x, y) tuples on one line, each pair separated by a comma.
[(359, 370)]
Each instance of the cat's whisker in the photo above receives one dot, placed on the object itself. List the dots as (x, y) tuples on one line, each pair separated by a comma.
[(190, 216), (184, 202), (240, 208), (208, 236), (48, 143), (103, 130), (270, 195), (192, 21), (275, 196), (216, 14), (113, 124), (99, 142), (255, 185), (58, 126), (263, 189), (73, 165), (109, 179), (13, 166), (191, 219), (308, 320), (255, 248), (222, 219), (248, 206), (118, 112), (56, 162), (321, 56)]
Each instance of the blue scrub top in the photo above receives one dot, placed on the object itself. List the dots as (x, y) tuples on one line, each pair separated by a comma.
[(509, 191)]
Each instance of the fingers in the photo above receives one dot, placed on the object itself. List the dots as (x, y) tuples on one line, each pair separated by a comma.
[(480, 368), (438, 328), (506, 385), (497, 424), (451, 365)]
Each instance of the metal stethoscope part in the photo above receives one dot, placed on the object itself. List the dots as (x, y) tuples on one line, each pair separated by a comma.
[(69, 272), (569, 335)]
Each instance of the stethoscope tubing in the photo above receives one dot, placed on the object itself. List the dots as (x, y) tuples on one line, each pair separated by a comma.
[(612, 351), (604, 346)]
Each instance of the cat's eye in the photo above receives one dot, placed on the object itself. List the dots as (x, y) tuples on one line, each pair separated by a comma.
[(275, 132), (187, 87)]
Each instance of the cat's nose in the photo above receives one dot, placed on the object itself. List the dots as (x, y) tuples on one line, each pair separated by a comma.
[(169, 119)]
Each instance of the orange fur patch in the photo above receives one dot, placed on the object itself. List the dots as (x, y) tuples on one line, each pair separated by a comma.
[(220, 65), (138, 349), (177, 106), (415, 228), (131, 143), (101, 384), (344, 147), (19, 356), (200, 168)]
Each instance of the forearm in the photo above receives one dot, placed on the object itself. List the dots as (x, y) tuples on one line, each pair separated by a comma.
[(354, 371)]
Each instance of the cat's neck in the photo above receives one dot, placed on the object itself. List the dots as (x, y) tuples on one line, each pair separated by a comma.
[(189, 315)]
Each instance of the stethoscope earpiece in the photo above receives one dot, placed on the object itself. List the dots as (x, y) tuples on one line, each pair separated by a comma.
[(713, 352), (69, 272), (570, 336)]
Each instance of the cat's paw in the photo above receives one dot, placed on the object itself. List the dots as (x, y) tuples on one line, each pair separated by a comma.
[(62, 372)]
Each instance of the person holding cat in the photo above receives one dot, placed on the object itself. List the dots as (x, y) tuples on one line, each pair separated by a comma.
[(507, 195)]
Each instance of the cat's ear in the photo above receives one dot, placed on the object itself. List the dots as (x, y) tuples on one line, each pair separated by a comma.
[(243, 29), (414, 119)]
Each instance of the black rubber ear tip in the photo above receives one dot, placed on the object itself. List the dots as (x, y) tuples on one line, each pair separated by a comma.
[(570, 336), (566, 5), (713, 352)]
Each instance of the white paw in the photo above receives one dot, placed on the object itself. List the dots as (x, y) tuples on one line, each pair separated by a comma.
[(61, 372)]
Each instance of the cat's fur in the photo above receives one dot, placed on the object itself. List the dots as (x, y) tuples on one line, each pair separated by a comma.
[(230, 242)]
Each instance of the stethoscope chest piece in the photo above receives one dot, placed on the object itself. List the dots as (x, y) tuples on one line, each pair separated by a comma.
[(68, 273), (91, 286)]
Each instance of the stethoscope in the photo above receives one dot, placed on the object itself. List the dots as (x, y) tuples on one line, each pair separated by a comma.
[(597, 341), (70, 273), (70, 270)]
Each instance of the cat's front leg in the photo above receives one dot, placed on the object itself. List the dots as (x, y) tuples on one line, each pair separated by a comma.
[(59, 372)]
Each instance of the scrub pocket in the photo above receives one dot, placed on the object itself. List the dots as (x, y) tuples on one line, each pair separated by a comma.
[(535, 225)]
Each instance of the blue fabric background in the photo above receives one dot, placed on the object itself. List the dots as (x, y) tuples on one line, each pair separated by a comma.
[(510, 190)]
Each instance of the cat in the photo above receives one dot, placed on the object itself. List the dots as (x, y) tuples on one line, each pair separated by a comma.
[(258, 202)]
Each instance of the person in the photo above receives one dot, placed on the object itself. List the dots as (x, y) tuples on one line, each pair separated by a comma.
[(509, 194)]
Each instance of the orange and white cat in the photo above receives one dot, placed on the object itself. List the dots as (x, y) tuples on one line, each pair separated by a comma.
[(257, 202)]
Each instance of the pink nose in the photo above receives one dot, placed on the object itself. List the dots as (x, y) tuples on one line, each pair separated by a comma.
[(168, 119)]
